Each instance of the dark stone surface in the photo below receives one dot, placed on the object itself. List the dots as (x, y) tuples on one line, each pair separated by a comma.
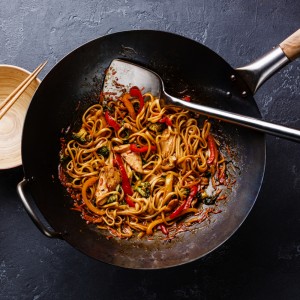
[(260, 261)]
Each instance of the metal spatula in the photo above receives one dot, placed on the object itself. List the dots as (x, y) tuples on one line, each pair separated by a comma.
[(121, 75)]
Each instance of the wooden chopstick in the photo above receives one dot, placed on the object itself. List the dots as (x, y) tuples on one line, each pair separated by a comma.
[(16, 93)]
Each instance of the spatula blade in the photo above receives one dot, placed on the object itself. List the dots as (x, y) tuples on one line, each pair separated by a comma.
[(121, 75)]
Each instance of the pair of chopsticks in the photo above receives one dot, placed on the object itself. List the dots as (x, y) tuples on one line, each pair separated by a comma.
[(12, 98)]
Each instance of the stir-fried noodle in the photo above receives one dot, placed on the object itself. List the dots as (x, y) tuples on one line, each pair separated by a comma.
[(135, 167)]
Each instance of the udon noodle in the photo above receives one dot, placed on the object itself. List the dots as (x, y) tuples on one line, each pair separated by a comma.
[(135, 167)]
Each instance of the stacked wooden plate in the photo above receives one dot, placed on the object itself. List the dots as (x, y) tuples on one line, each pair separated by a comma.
[(11, 124)]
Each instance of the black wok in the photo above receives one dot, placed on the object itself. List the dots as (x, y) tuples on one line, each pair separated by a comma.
[(75, 82)]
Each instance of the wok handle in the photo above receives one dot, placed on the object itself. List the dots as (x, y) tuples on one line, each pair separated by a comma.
[(49, 233), (245, 121), (291, 46), (257, 72)]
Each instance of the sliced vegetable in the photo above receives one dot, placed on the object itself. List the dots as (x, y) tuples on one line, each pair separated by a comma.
[(213, 151), (177, 211), (104, 151), (112, 198), (111, 121), (135, 148), (210, 200), (202, 195), (169, 184), (156, 127), (166, 120), (143, 188), (125, 180), (129, 106), (135, 92), (187, 98), (80, 136), (207, 200), (222, 175), (150, 227), (85, 199), (164, 229), (129, 201), (191, 196)]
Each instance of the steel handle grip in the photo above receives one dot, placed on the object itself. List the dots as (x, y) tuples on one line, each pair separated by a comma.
[(257, 72), (49, 233)]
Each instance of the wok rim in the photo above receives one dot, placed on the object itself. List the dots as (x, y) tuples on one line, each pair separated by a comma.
[(61, 61)]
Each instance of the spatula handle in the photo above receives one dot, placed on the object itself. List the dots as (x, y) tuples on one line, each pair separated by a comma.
[(245, 121), (291, 46)]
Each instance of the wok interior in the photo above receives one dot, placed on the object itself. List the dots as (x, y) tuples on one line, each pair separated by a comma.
[(75, 82)]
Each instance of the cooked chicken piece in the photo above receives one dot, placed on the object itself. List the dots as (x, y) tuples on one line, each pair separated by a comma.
[(167, 143), (133, 159), (122, 148), (128, 126), (172, 160), (109, 178)]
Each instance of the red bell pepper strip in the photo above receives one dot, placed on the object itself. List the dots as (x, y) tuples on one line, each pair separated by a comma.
[(213, 156), (143, 149), (193, 192), (221, 176), (125, 180), (136, 92), (128, 104), (129, 201), (164, 229), (111, 121), (187, 98), (166, 120), (177, 211)]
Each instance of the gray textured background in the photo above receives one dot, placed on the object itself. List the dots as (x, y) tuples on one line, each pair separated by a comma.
[(262, 260)]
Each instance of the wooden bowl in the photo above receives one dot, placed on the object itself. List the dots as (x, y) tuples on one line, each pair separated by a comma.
[(11, 124)]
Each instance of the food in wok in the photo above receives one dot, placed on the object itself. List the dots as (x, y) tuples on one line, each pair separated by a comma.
[(135, 167)]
